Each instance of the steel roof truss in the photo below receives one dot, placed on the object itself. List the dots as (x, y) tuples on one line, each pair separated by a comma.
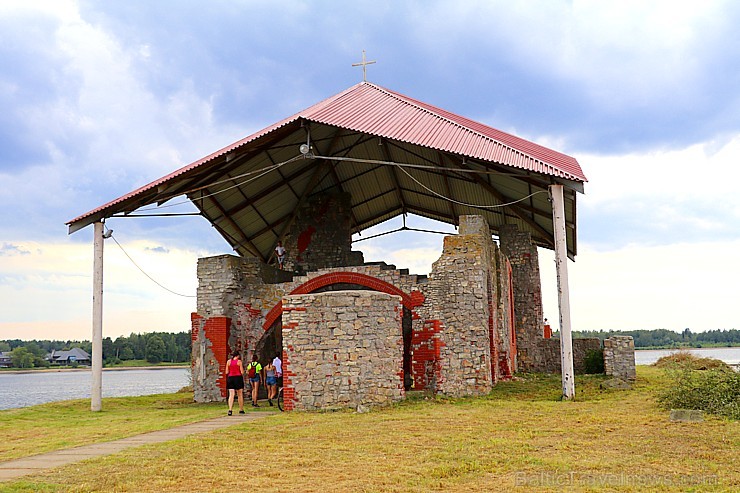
[(393, 176), (315, 180), (446, 179), (513, 208), (245, 239)]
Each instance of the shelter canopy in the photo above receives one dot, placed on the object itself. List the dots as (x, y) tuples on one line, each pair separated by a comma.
[(393, 155)]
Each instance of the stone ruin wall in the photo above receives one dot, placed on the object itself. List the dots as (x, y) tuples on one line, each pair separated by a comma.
[(234, 294), (535, 352), (451, 355), (505, 322), (463, 317), (321, 235), (524, 260), (549, 355), (468, 312), (342, 349), (208, 357), (619, 357)]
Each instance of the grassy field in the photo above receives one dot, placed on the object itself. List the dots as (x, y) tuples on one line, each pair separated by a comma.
[(519, 438), (59, 425)]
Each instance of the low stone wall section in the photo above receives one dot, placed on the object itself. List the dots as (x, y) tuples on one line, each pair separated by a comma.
[(548, 354), (619, 357), (342, 349)]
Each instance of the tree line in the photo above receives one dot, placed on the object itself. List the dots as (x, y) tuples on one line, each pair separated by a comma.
[(663, 338), (154, 347)]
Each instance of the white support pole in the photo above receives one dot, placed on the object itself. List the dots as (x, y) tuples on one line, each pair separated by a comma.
[(561, 263), (96, 400)]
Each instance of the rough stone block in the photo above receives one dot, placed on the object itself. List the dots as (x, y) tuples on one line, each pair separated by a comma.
[(687, 415)]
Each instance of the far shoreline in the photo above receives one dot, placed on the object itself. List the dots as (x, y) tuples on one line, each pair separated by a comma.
[(681, 348), (87, 368)]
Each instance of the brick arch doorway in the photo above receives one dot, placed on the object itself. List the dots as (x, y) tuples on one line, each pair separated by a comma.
[(271, 341)]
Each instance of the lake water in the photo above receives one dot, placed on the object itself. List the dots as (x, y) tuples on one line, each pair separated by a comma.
[(28, 389), (730, 355)]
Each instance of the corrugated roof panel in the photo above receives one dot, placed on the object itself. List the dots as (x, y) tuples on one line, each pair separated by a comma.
[(371, 110)]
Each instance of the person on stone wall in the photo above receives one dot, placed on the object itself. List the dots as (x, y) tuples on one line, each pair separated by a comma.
[(280, 254), (255, 375), (235, 381)]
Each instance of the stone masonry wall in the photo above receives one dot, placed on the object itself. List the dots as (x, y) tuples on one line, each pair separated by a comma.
[(208, 357), (504, 313), (342, 349), (619, 357), (321, 235), (549, 358), (260, 306), (458, 296), (244, 289), (223, 281), (522, 255), (462, 317)]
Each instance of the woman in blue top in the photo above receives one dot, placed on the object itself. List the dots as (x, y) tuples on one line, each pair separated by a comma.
[(271, 381)]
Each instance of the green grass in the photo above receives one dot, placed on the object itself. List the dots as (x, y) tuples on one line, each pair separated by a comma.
[(688, 360), (66, 424), (707, 384), (521, 437)]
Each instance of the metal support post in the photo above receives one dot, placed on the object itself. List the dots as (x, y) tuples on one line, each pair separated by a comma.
[(96, 399), (561, 263)]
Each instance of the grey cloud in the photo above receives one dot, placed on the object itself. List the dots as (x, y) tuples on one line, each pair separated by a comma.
[(159, 249), (10, 250)]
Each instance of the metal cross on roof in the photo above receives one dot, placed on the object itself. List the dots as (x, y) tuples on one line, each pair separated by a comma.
[(364, 64)]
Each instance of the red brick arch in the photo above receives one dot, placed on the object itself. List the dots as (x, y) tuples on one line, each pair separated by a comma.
[(409, 301)]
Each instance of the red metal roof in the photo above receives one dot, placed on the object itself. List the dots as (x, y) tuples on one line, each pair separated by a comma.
[(374, 110), (371, 109)]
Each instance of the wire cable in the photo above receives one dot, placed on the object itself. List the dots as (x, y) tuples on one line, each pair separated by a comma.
[(147, 275), (494, 206), (435, 168), (262, 172)]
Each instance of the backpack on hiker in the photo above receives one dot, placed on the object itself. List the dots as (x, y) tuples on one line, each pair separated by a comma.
[(252, 370)]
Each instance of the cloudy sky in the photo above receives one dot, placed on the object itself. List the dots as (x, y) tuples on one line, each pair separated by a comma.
[(99, 98)]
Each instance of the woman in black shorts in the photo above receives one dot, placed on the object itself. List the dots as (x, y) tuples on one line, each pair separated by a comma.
[(235, 380)]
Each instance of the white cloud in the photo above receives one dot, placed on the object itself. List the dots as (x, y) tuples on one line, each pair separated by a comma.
[(65, 10), (115, 104), (47, 293), (670, 287), (627, 52), (701, 171), (104, 130), (662, 197)]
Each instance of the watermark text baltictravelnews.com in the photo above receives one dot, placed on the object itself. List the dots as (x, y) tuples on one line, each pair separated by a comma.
[(573, 478)]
